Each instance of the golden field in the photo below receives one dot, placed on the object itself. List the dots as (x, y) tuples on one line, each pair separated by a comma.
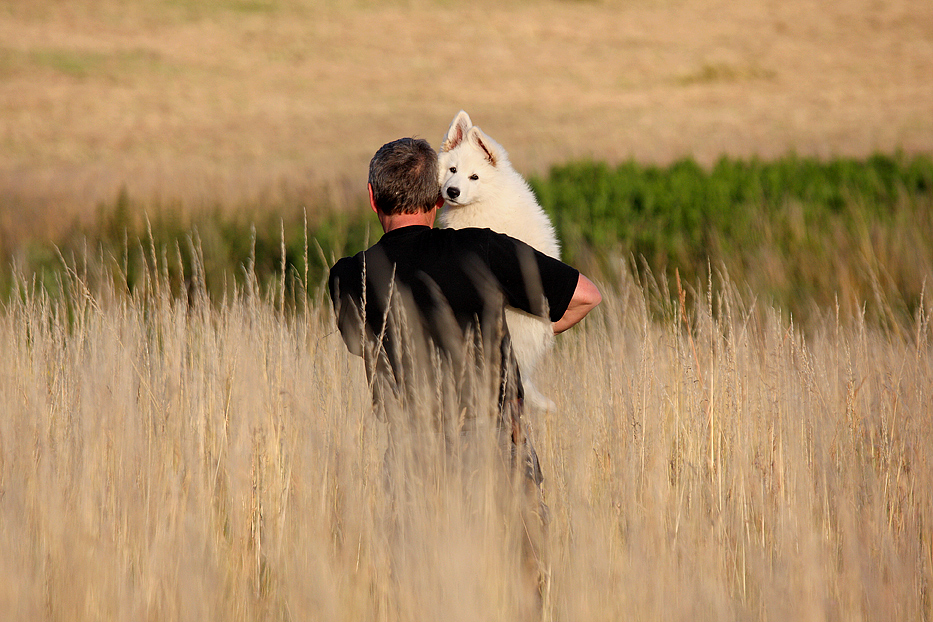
[(168, 457), (165, 459), (262, 101)]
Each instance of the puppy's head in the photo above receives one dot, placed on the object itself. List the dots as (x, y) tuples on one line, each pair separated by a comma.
[(467, 160)]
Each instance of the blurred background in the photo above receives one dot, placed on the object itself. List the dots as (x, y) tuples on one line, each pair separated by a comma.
[(114, 111), (743, 427)]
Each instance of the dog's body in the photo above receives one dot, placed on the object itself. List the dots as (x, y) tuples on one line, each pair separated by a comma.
[(481, 189)]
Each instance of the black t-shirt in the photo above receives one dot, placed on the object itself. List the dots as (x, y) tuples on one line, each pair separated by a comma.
[(449, 288)]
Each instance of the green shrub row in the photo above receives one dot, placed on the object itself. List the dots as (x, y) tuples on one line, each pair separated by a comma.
[(670, 213), (799, 231)]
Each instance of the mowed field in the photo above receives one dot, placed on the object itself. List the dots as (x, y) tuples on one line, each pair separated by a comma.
[(253, 101)]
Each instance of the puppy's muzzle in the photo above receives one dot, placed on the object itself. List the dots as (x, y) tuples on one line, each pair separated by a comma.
[(453, 192)]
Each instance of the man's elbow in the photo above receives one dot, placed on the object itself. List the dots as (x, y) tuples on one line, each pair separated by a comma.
[(585, 298), (592, 294)]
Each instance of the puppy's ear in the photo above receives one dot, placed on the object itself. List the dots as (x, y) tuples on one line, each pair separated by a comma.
[(457, 132), (492, 150)]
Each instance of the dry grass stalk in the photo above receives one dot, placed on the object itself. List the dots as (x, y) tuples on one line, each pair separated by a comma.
[(168, 459)]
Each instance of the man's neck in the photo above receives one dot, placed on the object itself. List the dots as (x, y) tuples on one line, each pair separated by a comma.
[(397, 221)]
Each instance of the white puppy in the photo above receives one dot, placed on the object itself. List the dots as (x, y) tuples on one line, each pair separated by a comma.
[(481, 189)]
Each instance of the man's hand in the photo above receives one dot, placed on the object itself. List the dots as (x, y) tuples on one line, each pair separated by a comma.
[(585, 297)]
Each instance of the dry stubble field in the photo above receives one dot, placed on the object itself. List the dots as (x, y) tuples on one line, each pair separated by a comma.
[(169, 460), (250, 100), (166, 459)]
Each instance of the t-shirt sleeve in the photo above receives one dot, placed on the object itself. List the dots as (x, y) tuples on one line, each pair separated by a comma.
[(531, 280)]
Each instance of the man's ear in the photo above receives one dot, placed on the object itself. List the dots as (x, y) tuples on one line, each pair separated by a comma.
[(439, 203), (372, 200)]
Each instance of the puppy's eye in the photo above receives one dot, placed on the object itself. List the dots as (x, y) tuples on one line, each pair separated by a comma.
[(474, 177), (453, 169)]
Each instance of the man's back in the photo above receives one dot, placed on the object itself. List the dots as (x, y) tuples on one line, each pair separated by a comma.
[(448, 290)]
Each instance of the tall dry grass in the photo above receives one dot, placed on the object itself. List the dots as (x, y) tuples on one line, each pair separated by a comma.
[(170, 459)]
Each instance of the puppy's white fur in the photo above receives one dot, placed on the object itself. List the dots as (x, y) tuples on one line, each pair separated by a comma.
[(481, 189)]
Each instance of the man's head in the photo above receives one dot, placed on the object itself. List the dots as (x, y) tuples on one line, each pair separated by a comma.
[(403, 177)]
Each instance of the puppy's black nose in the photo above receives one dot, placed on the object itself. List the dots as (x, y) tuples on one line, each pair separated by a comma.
[(453, 193)]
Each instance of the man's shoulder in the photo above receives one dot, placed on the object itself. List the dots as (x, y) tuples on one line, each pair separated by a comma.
[(345, 265), (448, 240), (476, 232), (346, 272), (475, 236)]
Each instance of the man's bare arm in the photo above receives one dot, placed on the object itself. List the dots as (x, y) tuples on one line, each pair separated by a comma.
[(585, 297)]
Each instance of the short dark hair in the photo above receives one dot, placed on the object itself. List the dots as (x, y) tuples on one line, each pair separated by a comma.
[(403, 174)]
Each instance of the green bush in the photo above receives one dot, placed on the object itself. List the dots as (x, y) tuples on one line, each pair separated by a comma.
[(799, 232), (784, 227)]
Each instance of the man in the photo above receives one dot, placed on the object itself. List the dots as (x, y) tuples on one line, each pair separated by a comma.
[(424, 307)]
